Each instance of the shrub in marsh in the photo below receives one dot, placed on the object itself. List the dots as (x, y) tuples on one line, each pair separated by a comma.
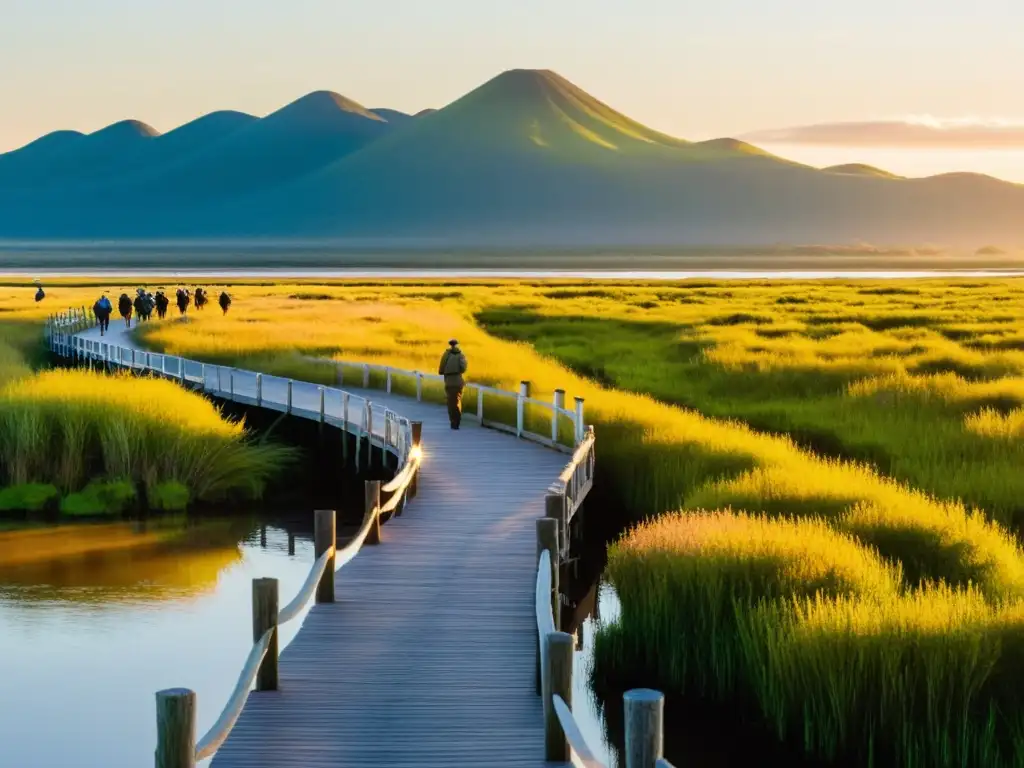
[(99, 498), (28, 497), (170, 496), (68, 426)]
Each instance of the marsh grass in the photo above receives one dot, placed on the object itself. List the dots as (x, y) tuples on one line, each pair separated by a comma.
[(818, 635), (843, 588), (68, 427)]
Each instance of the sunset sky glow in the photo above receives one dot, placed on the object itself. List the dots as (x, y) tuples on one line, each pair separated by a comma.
[(732, 67)]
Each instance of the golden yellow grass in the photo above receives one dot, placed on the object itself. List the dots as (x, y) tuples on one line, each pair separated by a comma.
[(919, 381)]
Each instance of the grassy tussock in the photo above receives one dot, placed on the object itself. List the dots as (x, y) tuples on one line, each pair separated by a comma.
[(818, 635), (67, 427)]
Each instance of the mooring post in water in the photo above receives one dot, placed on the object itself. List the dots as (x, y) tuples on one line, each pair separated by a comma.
[(372, 506), (176, 728), (557, 682), (547, 539), (417, 438), (324, 539), (643, 712), (264, 618)]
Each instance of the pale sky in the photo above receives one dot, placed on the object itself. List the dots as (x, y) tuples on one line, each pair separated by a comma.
[(695, 70)]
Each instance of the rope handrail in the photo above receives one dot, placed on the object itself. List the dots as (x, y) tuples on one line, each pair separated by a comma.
[(211, 742), (577, 741), (579, 456), (294, 608)]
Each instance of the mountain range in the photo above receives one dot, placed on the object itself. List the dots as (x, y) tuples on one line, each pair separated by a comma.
[(526, 159)]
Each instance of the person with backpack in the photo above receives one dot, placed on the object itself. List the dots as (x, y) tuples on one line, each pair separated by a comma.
[(452, 367), (103, 309), (225, 301)]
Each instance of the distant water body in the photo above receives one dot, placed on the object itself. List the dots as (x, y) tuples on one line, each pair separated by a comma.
[(528, 274)]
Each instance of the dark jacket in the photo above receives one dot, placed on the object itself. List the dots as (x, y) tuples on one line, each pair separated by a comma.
[(453, 365)]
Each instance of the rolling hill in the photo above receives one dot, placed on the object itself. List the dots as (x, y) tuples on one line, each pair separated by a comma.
[(527, 158)]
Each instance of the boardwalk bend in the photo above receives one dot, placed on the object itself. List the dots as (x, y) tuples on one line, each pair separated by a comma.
[(429, 650)]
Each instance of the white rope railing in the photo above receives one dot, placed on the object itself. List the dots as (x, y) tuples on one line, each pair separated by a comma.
[(217, 734), (294, 608), (577, 742)]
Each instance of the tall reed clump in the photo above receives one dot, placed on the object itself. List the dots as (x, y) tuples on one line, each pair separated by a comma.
[(68, 427), (819, 635)]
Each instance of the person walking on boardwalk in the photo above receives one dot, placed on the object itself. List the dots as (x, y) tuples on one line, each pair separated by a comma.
[(102, 309), (162, 302), (453, 366), (124, 306), (225, 301)]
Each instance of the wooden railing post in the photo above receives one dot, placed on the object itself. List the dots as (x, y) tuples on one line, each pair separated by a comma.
[(264, 617), (559, 403), (524, 392), (288, 402), (554, 509), (547, 539), (419, 386), (372, 507), (417, 438), (321, 404), (231, 382), (176, 728), (220, 380), (324, 537), (579, 421), (259, 389), (558, 680), (366, 376), (387, 378), (643, 713), (480, 406)]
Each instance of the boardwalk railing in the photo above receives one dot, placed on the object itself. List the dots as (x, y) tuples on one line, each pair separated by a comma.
[(514, 412), (563, 739), (378, 426)]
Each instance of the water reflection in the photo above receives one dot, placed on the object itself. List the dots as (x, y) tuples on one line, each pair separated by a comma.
[(95, 618)]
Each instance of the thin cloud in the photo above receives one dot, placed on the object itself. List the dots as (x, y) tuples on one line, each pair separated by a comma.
[(916, 131)]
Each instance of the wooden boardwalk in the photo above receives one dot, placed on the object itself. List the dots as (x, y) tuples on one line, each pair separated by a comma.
[(426, 658)]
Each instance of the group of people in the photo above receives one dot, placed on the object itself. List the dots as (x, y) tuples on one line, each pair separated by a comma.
[(144, 303)]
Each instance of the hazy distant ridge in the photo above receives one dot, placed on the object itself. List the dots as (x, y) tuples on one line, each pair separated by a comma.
[(526, 158)]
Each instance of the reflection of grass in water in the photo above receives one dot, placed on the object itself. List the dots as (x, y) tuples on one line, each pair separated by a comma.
[(115, 563)]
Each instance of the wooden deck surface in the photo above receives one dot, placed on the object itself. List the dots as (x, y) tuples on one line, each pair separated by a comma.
[(427, 657)]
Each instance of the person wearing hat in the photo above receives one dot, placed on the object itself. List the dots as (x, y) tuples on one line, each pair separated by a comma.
[(453, 366)]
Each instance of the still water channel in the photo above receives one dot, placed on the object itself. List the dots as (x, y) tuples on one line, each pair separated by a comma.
[(94, 619)]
